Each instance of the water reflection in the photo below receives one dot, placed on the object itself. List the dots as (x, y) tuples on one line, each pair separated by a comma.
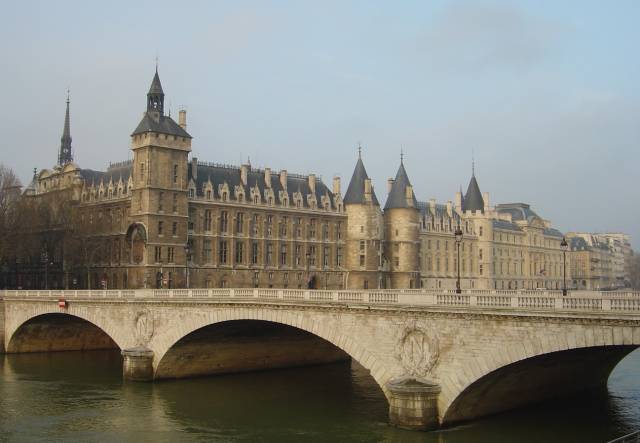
[(81, 397)]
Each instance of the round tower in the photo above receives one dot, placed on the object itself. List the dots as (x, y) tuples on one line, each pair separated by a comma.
[(402, 233)]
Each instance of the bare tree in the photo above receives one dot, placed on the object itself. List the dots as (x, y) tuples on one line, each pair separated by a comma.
[(9, 198)]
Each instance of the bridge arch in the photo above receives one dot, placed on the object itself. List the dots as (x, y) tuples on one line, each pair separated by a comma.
[(163, 343), (603, 346), (41, 314)]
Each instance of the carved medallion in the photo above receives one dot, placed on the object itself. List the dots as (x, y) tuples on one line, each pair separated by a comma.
[(144, 327), (418, 352)]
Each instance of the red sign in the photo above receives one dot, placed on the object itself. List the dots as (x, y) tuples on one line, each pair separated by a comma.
[(62, 303)]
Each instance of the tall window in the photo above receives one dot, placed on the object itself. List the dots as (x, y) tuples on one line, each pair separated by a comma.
[(298, 227), (312, 255), (206, 251), (175, 174), (175, 202), (298, 255), (160, 225), (142, 177), (174, 228), (255, 251), (269, 225), (207, 220), (325, 256), (239, 252), (283, 226), (158, 255), (325, 231), (160, 200), (223, 251), (283, 255), (239, 223), (170, 254), (312, 228), (339, 230), (254, 225), (224, 221), (269, 254), (339, 256)]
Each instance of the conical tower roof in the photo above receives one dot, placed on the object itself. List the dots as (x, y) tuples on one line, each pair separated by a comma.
[(355, 191), (156, 86), (398, 195), (473, 200), (65, 156)]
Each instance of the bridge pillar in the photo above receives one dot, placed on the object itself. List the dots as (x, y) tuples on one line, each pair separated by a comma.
[(137, 364), (413, 404), (1, 326)]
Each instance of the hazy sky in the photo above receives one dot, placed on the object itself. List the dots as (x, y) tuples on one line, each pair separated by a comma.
[(546, 93)]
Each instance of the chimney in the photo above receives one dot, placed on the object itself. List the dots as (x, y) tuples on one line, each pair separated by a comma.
[(194, 167), (389, 185), (408, 194), (267, 177), (244, 173), (485, 197), (459, 201), (283, 179), (450, 208), (182, 119), (312, 183), (336, 185)]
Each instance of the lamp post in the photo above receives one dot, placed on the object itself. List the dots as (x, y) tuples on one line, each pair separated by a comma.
[(44, 258), (458, 235), (187, 256), (564, 245)]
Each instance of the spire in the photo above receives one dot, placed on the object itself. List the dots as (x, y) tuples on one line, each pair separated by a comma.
[(65, 155), (473, 200), (155, 96), (356, 190), (397, 197)]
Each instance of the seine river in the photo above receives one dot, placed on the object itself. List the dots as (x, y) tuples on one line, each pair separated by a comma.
[(81, 397)]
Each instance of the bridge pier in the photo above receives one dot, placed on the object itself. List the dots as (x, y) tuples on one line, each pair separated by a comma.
[(1, 326), (413, 404), (137, 364)]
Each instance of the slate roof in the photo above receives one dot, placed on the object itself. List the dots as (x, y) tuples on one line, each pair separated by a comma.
[(123, 170), (506, 225), (156, 86), (355, 191), (439, 211), (518, 211), (551, 232), (578, 244), (397, 196), (473, 200), (220, 174), (164, 125)]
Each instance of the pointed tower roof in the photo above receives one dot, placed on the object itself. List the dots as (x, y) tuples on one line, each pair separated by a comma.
[(473, 200), (398, 195), (156, 86), (65, 156), (355, 191)]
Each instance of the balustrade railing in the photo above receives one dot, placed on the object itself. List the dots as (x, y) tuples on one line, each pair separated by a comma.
[(584, 301)]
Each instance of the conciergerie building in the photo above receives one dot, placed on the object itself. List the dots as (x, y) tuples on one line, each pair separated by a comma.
[(165, 219)]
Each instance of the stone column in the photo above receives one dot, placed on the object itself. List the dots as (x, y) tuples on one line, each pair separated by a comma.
[(1, 326), (413, 404), (137, 364)]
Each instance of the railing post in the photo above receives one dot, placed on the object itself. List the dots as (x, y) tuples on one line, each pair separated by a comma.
[(473, 300), (558, 303), (514, 301), (606, 304)]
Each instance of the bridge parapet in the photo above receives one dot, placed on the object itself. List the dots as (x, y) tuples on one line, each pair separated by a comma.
[(580, 301)]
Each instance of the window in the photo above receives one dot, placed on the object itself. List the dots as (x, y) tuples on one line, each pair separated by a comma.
[(206, 251), (170, 256), (339, 230), (269, 225), (223, 251), (254, 253), (158, 255), (142, 178), (312, 255), (361, 260), (480, 231), (283, 226), (325, 256), (160, 199), (283, 254), (298, 255), (339, 256), (239, 222), (269, 260), (207, 220), (208, 194), (312, 228), (174, 228), (325, 231), (175, 174), (480, 253), (192, 193), (175, 202), (254, 224), (160, 224), (224, 221), (239, 252), (397, 261), (362, 244), (298, 227), (224, 196)]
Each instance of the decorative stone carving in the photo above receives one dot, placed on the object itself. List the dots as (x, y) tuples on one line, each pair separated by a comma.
[(418, 351), (144, 327)]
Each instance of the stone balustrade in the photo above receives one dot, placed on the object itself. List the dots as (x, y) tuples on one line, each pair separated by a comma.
[(524, 300)]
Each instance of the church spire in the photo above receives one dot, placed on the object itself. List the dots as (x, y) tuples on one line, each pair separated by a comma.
[(65, 156)]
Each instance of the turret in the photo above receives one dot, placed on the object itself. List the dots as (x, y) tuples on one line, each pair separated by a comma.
[(364, 231), (402, 223)]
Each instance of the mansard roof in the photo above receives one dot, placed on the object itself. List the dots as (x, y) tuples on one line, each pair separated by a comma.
[(113, 173), (355, 191), (163, 124), (220, 174), (397, 197), (518, 211), (505, 225), (438, 210), (473, 200)]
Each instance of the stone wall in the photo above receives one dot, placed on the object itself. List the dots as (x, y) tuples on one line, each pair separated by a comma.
[(1, 326), (244, 346)]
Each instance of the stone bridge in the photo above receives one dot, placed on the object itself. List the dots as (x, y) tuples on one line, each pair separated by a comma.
[(439, 357)]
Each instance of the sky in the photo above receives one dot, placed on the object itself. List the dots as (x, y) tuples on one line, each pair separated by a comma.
[(543, 94)]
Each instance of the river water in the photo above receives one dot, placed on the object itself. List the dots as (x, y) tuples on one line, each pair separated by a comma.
[(80, 397)]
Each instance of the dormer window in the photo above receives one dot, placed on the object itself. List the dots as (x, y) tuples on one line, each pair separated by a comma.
[(192, 193), (224, 196), (255, 199), (208, 194)]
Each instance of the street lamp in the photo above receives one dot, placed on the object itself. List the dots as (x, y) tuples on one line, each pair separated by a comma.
[(458, 235), (564, 245)]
